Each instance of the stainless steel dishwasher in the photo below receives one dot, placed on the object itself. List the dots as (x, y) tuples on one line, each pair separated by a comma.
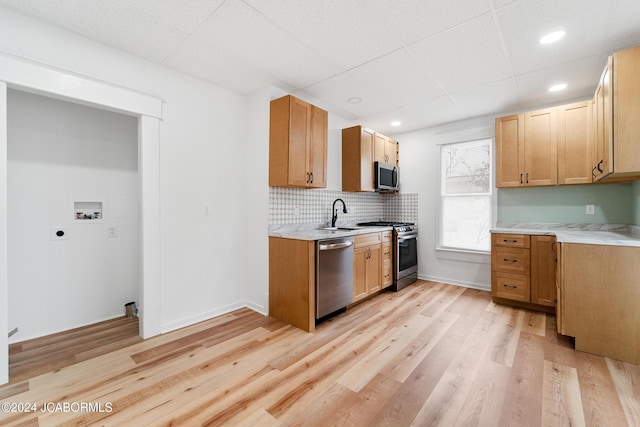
[(334, 275)]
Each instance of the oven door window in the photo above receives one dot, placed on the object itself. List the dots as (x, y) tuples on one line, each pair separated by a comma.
[(408, 253)]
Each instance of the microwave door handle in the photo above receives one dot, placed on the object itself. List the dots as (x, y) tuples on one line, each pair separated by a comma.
[(395, 177)]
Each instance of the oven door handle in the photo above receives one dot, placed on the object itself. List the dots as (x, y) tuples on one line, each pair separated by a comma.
[(407, 237)]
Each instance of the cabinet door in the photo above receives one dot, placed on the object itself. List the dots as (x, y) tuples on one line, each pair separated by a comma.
[(540, 148), (387, 265), (509, 151), (391, 150), (379, 146), (625, 110), (559, 295), (374, 269), (575, 143), (360, 258), (602, 163), (299, 128), (543, 270), (317, 151)]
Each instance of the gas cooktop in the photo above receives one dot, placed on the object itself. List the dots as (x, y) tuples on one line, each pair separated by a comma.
[(385, 224)]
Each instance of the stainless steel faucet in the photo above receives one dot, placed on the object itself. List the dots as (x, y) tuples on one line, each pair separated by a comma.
[(335, 211)]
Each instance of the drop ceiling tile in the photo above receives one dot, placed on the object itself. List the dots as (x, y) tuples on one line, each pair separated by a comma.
[(493, 98), (182, 15), (398, 78), (465, 56), (415, 116), (581, 77), (413, 20), (103, 21), (525, 21), (339, 88), (501, 3), (213, 65), (346, 33), (625, 19)]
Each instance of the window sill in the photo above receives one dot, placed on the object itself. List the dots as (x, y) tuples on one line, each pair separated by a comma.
[(477, 257)]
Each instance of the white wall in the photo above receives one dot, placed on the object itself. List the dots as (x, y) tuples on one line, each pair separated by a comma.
[(202, 143), (420, 168), (59, 153)]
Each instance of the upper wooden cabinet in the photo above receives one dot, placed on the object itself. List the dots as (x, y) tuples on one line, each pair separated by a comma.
[(616, 108), (297, 144), (575, 143), (526, 149), (357, 159), (361, 147), (385, 149)]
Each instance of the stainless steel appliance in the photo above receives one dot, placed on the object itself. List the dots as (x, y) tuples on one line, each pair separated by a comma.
[(334, 275), (386, 177), (405, 251)]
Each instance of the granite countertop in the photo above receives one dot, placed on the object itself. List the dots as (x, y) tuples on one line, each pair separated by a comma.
[(312, 231), (591, 234)]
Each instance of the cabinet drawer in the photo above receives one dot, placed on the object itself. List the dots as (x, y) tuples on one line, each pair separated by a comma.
[(511, 260), (386, 236), (387, 274), (511, 240), (512, 286), (361, 240), (387, 253)]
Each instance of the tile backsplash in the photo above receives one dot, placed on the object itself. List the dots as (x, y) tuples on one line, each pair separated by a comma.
[(302, 206)]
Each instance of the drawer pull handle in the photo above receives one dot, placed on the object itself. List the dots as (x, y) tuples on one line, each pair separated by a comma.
[(510, 286), (510, 260), (509, 241)]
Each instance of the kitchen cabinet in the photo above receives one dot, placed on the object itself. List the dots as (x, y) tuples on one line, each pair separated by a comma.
[(598, 296), (292, 275), (385, 149), (523, 270), (357, 159), (526, 149), (361, 147), (575, 143), (616, 107), (367, 269), (297, 144)]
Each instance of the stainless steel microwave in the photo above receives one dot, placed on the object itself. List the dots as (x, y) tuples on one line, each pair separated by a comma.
[(386, 177)]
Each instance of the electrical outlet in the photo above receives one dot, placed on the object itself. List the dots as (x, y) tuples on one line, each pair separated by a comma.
[(296, 210), (206, 210), (591, 209), (113, 231)]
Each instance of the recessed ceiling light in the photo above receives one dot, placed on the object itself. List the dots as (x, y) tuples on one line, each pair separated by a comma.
[(396, 123), (552, 37), (354, 100), (559, 86)]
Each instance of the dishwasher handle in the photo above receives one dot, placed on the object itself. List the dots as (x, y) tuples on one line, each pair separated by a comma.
[(338, 245)]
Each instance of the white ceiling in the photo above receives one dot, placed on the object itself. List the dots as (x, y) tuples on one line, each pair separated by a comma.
[(424, 62)]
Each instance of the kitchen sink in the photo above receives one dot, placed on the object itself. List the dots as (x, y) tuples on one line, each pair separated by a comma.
[(341, 228)]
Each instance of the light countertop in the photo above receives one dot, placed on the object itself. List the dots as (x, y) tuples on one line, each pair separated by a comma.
[(312, 232), (591, 234)]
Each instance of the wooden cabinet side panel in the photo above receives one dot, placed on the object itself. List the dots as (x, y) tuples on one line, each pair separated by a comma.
[(279, 141), (292, 282), (543, 270), (574, 143), (626, 110), (559, 293), (318, 147), (541, 148), (509, 151), (600, 295), (357, 159)]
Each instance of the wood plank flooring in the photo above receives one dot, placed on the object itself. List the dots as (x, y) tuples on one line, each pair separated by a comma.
[(429, 355)]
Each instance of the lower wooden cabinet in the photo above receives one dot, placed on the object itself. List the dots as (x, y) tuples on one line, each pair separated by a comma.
[(523, 270), (598, 296), (367, 258)]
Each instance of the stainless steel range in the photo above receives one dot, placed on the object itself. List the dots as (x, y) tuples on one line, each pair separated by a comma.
[(405, 251)]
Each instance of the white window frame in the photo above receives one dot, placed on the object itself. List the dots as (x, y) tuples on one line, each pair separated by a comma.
[(456, 253)]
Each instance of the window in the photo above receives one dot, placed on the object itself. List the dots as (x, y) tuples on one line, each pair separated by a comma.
[(465, 195)]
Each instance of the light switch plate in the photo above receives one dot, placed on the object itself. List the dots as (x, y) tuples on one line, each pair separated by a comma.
[(591, 209)]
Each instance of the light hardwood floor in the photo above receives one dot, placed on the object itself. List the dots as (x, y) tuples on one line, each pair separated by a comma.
[(431, 354)]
